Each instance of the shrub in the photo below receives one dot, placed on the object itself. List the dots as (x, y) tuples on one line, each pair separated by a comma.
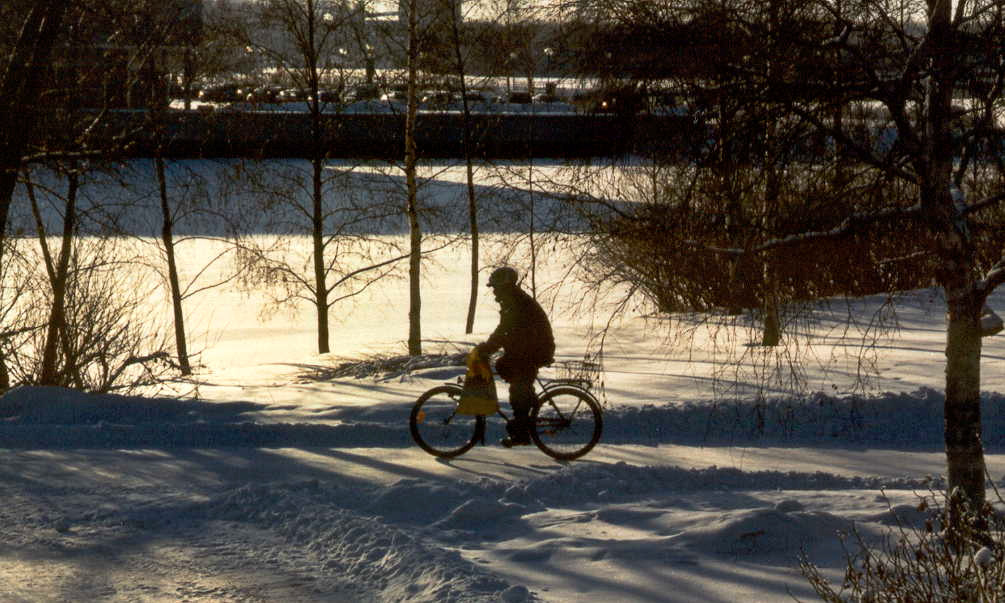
[(924, 561)]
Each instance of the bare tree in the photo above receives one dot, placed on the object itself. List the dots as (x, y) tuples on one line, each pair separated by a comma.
[(190, 211), (53, 68), (360, 206), (163, 33), (935, 73), (58, 271), (94, 335), (167, 239), (305, 39), (412, 206), (16, 275), (452, 7)]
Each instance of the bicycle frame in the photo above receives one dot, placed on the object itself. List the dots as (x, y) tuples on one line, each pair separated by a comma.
[(543, 386), (557, 431)]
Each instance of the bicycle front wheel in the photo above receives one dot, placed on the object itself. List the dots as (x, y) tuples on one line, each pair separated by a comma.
[(437, 427), (567, 423)]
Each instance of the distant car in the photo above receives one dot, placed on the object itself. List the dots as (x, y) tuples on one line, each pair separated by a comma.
[(437, 98), (362, 92), (621, 100), (396, 96), (478, 96), (263, 94), (544, 97), (519, 98), (292, 94), (221, 93), (327, 96)]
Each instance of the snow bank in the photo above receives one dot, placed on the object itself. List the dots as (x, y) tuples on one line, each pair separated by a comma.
[(587, 524), (44, 417), (394, 563), (405, 541)]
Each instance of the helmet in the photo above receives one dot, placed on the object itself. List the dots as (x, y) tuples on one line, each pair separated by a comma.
[(502, 276)]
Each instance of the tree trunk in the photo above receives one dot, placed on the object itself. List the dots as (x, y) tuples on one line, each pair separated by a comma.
[(772, 333), (167, 237), (532, 225), (772, 327), (964, 452), (49, 373), (320, 281), (412, 209), (19, 91), (317, 190), (469, 323), (4, 375)]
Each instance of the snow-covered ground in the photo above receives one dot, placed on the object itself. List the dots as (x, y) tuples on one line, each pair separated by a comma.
[(272, 481)]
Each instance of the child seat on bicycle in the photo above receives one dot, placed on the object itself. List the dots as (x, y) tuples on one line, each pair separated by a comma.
[(524, 334)]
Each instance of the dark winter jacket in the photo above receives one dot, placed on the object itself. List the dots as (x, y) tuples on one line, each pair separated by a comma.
[(524, 332)]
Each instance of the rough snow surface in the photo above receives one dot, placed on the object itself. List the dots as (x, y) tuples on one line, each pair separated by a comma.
[(278, 477), (159, 499)]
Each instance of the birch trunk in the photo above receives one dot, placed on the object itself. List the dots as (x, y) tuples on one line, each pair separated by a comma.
[(49, 373), (956, 274), (317, 189), (964, 450), (412, 209), (469, 323), (167, 238)]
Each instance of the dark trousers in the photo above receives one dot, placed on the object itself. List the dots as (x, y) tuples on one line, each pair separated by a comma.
[(521, 377)]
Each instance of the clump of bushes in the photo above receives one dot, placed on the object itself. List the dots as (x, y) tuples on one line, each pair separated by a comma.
[(681, 244), (927, 561)]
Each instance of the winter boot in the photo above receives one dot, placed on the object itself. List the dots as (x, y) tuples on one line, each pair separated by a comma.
[(519, 433)]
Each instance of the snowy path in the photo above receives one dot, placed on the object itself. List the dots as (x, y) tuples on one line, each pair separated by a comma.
[(122, 526), (200, 473), (149, 525), (207, 561)]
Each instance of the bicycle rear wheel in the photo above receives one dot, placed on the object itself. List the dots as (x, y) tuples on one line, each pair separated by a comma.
[(567, 423), (437, 427)]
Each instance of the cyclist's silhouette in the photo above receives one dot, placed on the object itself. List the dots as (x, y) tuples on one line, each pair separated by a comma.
[(525, 336)]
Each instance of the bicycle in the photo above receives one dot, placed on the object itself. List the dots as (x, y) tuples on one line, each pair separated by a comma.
[(566, 420)]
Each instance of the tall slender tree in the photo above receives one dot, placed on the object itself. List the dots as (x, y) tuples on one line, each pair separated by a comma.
[(412, 202), (307, 46), (452, 7)]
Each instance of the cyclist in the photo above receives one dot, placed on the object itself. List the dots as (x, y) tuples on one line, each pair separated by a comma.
[(525, 336)]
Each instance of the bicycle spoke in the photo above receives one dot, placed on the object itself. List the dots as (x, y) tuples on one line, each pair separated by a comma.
[(438, 428), (567, 424), (562, 415)]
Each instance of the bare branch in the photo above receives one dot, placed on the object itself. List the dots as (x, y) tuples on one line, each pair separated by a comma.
[(987, 202), (993, 279), (846, 227)]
